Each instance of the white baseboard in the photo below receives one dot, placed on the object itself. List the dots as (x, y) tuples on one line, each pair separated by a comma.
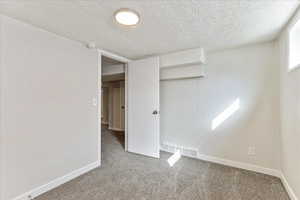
[(57, 182), (236, 164), (288, 188), (241, 165), (246, 166)]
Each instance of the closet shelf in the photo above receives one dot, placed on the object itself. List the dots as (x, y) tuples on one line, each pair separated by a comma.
[(183, 58), (182, 78)]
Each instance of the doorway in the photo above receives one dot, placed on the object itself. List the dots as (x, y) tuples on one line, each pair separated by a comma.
[(139, 106), (113, 99)]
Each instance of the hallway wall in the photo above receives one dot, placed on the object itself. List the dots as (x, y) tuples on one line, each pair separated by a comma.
[(113, 104), (104, 109)]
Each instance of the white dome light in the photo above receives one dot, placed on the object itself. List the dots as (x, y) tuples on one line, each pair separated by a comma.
[(127, 17)]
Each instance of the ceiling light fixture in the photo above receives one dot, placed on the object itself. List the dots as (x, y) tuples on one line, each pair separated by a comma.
[(127, 17)]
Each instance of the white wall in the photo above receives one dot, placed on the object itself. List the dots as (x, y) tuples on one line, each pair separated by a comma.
[(290, 114), (1, 120), (250, 74), (50, 123)]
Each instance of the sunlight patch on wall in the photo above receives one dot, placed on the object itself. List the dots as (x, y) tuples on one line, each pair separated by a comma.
[(294, 46), (225, 114)]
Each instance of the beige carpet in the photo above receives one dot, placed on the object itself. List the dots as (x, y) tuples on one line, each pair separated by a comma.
[(126, 176)]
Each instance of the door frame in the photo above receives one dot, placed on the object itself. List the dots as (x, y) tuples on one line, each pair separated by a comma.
[(99, 86)]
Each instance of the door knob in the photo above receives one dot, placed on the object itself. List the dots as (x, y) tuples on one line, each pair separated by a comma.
[(155, 112)]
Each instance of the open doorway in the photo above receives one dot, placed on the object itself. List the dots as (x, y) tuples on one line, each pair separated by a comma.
[(139, 117), (113, 100)]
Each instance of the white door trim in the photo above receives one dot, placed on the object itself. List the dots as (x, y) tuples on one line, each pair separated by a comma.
[(114, 56), (126, 108), (99, 103)]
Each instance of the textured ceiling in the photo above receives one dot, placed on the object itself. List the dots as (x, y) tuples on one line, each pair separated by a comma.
[(166, 25)]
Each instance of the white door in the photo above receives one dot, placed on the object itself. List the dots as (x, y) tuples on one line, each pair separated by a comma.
[(143, 107)]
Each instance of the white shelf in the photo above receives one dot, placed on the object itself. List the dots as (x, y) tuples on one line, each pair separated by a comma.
[(183, 58)]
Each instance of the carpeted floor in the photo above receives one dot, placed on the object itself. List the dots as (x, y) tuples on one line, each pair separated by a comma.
[(126, 176)]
